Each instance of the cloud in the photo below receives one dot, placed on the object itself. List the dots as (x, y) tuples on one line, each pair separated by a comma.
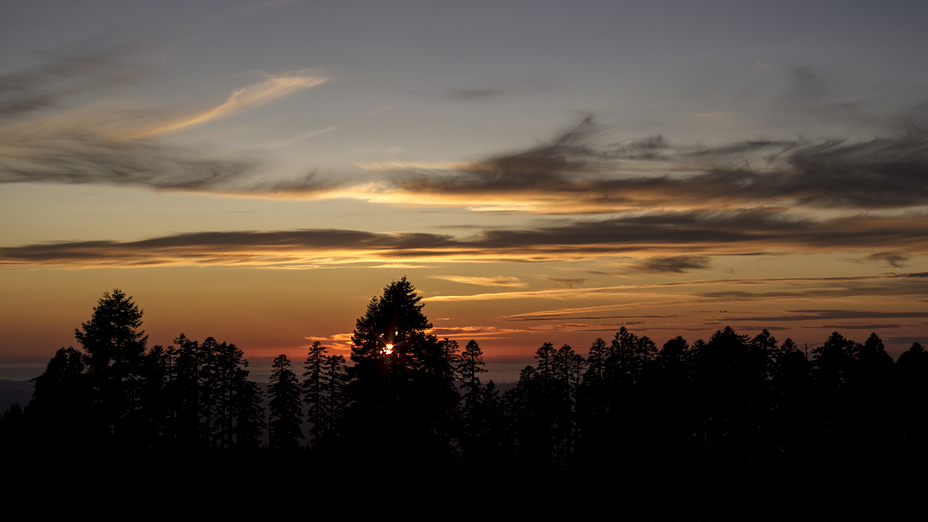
[(674, 241), (577, 173), (109, 145), (85, 68), (895, 259), (688, 293), (672, 265), (231, 248), (555, 316), (483, 281), (857, 326), (274, 87), (568, 282), (73, 155), (829, 315)]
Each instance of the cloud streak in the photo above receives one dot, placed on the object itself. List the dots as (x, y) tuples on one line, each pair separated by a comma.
[(672, 265), (273, 88), (577, 172), (106, 145), (86, 69), (574, 174), (674, 242), (483, 281)]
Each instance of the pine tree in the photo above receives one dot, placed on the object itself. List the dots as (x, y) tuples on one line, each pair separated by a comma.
[(113, 349), (470, 366), (247, 410), (229, 376), (286, 412), (184, 396), (401, 385), (315, 387), (336, 378)]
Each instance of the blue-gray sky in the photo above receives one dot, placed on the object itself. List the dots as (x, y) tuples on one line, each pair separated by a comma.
[(542, 171)]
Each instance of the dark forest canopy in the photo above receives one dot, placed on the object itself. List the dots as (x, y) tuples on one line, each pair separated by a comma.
[(729, 402)]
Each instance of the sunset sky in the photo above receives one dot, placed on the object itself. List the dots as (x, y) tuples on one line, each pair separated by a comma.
[(540, 171)]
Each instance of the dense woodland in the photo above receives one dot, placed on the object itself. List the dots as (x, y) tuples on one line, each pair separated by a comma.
[(646, 417)]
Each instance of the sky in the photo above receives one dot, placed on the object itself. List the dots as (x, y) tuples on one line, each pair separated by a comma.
[(540, 171)]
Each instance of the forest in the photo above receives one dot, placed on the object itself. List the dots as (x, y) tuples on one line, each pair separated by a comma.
[(733, 417)]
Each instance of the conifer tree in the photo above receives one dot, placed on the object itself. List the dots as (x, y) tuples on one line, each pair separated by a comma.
[(321, 389), (247, 410), (62, 402), (113, 349), (470, 366), (401, 386), (286, 412), (336, 378)]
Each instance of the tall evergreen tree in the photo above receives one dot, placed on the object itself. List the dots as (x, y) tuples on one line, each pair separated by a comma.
[(470, 366), (286, 412), (322, 390), (229, 376), (247, 410), (113, 346), (184, 395), (401, 385), (336, 378)]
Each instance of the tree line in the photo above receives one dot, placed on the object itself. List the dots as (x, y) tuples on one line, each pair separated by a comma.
[(408, 396)]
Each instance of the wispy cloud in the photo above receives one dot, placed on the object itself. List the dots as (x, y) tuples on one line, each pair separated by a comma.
[(680, 240), (273, 88), (576, 173), (483, 281), (829, 315), (895, 259), (568, 282), (86, 68), (671, 265), (107, 144)]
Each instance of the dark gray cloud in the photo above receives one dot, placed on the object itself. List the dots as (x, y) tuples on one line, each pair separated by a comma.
[(732, 232), (742, 328), (858, 326), (88, 66), (858, 288), (555, 316), (575, 174), (79, 157), (895, 259), (568, 282), (692, 236), (223, 247), (831, 315), (672, 265)]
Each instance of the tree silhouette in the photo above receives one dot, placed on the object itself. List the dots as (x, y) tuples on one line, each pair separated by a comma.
[(62, 403), (323, 386), (470, 366), (113, 348), (286, 412), (401, 385), (912, 374)]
